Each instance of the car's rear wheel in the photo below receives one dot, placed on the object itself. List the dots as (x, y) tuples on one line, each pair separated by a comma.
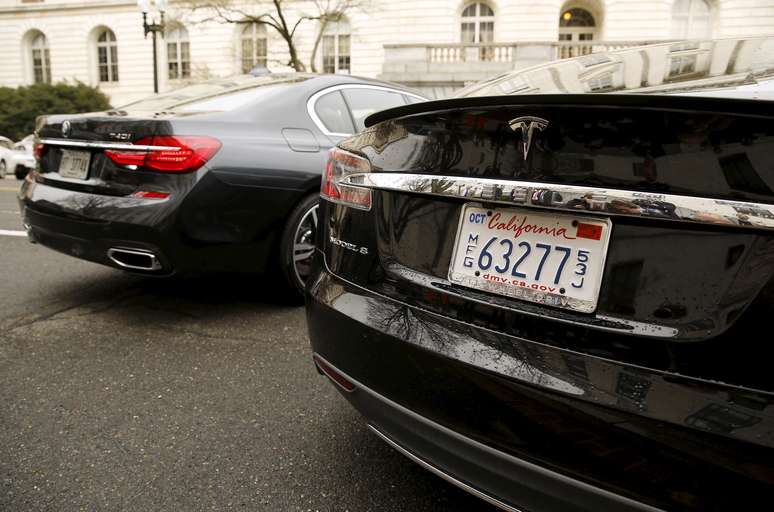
[(3, 168), (20, 172), (297, 245)]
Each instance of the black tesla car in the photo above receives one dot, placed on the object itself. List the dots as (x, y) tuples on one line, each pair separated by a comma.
[(221, 176), (561, 301)]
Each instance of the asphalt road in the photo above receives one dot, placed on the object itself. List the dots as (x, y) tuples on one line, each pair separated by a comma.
[(124, 393)]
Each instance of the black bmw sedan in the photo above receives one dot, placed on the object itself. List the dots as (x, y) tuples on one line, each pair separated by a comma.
[(221, 176), (560, 301)]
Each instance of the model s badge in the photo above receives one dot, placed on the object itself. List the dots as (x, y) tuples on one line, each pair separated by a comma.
[(66, 129), (527, 125)]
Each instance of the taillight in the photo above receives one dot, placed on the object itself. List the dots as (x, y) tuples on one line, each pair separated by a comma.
[(37, 150), (178, 153), (150, 194), (335, 376), (342, 164)]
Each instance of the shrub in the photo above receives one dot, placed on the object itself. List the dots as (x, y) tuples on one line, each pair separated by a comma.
[(20, 106)]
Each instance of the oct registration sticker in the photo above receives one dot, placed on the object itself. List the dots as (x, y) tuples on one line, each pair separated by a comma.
[(556, 259)]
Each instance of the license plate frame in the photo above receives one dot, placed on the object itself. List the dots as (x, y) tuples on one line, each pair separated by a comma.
[(74, 164), (508, 284)]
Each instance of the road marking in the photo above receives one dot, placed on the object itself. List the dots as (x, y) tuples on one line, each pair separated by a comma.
[(9, 232), (9, 189)]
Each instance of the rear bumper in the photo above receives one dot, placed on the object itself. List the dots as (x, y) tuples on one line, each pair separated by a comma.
[(58, 219), (210, 226), (27, 163), (489, 474), (520, 424)]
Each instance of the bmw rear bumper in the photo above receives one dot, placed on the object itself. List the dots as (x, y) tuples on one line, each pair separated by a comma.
[(212, 226), (503, 417), (91, 226)]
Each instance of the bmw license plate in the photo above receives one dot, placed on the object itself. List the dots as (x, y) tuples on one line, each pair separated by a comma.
[(556, 259), (74, 164)]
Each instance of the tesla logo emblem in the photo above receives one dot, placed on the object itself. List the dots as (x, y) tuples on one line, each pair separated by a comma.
[(66, 129), (527, 125)]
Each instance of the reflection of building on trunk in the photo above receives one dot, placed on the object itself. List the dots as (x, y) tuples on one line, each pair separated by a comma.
[(721, 419), (741, 175), (660, 67), (622, 284), (632, 391)]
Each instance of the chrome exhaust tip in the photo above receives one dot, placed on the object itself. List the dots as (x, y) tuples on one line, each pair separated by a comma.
[(134, 259), (30, 234)]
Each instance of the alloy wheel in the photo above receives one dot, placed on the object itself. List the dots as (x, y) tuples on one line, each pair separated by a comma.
[(303, 244)]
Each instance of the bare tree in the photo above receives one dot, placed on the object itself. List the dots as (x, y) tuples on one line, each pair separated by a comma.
[(227, 11), (329, 11), (274, 16)]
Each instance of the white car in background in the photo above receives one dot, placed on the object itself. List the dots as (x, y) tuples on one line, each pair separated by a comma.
[(22, 158), (6, 155)]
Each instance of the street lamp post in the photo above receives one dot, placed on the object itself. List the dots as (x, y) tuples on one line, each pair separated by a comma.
[(153, 28)]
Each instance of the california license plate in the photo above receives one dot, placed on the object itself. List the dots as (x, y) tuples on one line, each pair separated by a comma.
[(74, 164), (555, 259)]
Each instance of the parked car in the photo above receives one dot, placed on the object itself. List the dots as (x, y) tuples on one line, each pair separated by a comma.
[(22, 159), (221, 176), (560, 301), (6, 155)]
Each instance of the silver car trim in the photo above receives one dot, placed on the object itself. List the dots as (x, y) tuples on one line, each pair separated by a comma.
[(576, 198), (105, 145), (153, 261), (443, 474), (312, 101)]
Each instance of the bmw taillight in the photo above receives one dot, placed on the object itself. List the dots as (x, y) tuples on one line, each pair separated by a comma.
[(342, 164), (37, 150), (167, 153)]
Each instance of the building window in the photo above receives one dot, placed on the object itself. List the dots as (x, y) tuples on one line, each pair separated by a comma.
[(254, 47), (601, 83), (691, 19), (336, 56), (680, 65), (577, 27), (178, 54), (41, 60), (477, 26), (107, 56)]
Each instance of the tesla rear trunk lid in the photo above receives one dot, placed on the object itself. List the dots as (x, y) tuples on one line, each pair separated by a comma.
[(670, 198)]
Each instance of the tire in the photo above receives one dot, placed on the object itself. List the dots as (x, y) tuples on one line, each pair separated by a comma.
[(297, 246), (20, 172), (3, 168)]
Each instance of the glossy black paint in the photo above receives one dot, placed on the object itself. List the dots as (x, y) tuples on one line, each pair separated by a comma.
[(227, 216), (664, 394)]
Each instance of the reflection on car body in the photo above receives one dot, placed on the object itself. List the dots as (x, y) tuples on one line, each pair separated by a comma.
[(217, 176), (658, 394)]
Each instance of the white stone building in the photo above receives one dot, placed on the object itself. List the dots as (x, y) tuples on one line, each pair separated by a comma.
[(435, 45)]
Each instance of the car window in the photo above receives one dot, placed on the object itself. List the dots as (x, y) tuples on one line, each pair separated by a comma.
[(333, 113), (364, 102), (5, 144)]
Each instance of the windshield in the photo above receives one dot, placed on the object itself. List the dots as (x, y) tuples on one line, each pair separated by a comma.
[(740, 68), (217, 95)]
